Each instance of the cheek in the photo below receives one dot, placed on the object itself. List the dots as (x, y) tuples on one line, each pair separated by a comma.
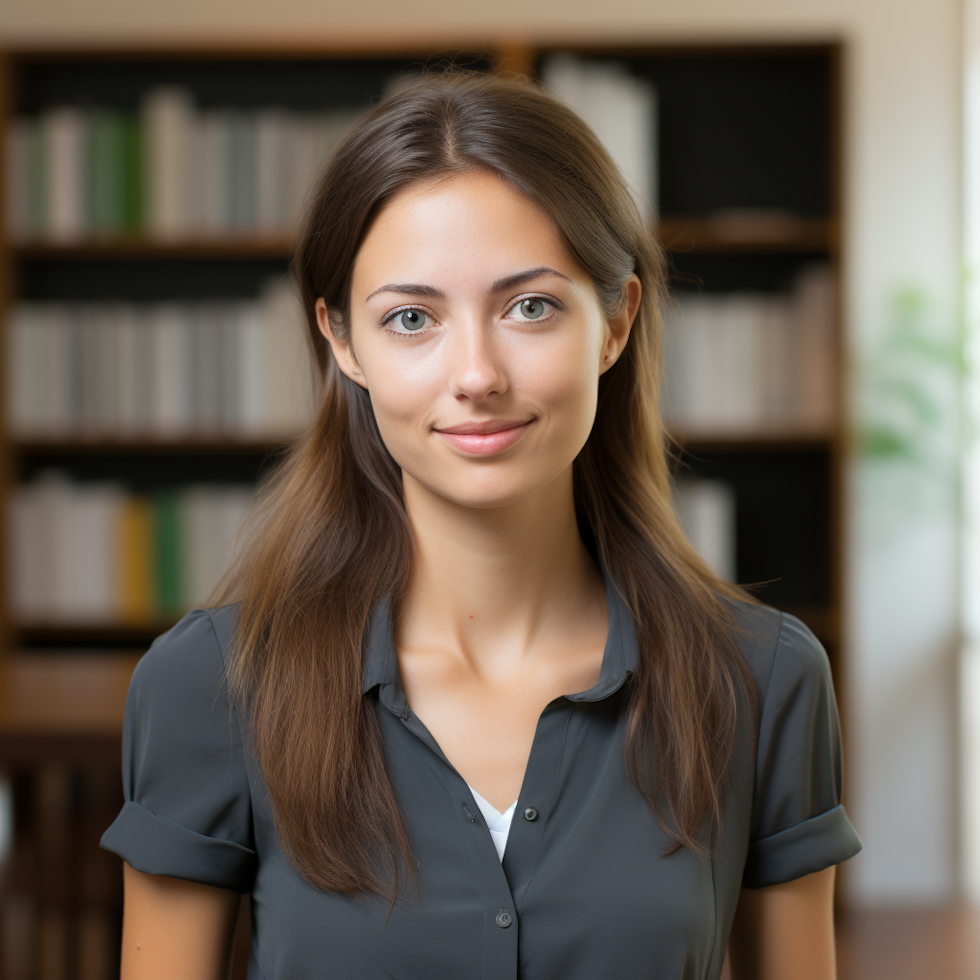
[(403, 392)]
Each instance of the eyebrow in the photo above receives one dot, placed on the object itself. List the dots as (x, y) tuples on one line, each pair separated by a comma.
[(508, 282)]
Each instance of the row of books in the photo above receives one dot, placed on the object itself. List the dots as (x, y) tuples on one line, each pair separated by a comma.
[(94, 552), (175, 170), (622, 110), (170, 171), (706, 509), (740, 362), (216, 369)]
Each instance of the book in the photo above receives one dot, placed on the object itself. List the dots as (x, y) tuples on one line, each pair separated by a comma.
[(621, 109), (64, 132), (18, 178), (167, 117), (706, 509)]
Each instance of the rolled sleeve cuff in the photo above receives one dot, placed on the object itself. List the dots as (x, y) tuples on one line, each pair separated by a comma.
[(157, 846), (808, 847)]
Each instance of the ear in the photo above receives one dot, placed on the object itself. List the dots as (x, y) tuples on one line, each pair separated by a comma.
[(618, 328), (342, 350)]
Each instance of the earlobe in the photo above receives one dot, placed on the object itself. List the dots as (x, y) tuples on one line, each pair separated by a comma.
[(342, 351)]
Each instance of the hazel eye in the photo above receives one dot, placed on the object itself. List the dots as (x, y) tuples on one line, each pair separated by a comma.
[(532, 308)]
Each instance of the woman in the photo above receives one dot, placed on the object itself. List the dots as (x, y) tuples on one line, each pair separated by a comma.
[(478, 709)]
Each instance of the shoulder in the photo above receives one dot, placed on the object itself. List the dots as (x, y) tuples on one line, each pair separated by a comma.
[(189, 661), (778, 647)]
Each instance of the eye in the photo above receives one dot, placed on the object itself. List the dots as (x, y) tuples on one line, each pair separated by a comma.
[(410, 320), (531, 308)]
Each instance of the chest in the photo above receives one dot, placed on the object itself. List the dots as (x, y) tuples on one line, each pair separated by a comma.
[(584, 890), (485, 727)]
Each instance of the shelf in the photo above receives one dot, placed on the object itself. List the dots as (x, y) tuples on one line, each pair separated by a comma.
[(776, 440), (727, 232), (67, 633), (746, 232), (245, 246), (148, 447)]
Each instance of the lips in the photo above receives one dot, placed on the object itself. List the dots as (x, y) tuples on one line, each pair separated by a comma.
[(484, 428), (485, 438)]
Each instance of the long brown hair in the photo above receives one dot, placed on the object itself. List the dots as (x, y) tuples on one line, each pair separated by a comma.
[(333, 537)]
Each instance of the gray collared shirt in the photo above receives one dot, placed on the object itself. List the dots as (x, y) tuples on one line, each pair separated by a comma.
[(584, 891)]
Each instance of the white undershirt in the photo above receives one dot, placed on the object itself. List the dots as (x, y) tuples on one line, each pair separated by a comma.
[(499, 823)]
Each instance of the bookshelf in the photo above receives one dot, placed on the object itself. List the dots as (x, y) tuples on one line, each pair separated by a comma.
[(748, 148)]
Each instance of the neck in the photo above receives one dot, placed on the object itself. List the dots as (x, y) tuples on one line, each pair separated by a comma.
[(490, 582)]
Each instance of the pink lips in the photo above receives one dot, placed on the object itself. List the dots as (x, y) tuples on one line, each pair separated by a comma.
[(485, 438)]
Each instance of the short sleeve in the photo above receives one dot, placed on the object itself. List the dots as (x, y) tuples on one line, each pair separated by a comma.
[(798, 823), (187, 809)]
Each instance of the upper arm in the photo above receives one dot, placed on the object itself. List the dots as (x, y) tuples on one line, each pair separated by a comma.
[(785, 931), (176, 928), (187, 811)]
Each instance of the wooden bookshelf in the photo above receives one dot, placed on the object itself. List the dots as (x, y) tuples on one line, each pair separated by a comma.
[(726, 226)]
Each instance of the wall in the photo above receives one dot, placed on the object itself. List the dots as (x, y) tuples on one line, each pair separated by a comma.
[(902, 179)]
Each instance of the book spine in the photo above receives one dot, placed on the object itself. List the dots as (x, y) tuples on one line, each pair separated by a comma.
[(136, 559), (168, 121), (166, 550), (65, 147), (17, 178)]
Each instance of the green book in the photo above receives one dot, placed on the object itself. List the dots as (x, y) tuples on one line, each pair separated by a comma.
[(107, 172), (166, 534), (132, 174)]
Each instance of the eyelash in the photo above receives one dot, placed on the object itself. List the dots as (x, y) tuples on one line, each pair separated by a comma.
[(553, 303)]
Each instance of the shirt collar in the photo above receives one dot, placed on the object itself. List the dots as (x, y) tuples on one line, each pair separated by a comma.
[(380, 663)]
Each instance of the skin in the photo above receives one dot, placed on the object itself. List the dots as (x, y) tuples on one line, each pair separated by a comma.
[(506, 610)]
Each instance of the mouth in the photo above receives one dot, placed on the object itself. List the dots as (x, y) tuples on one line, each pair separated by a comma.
[(485, 438)]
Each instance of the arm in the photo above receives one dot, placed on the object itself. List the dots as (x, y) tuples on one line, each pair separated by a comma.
[(175, 928), (785, 932)]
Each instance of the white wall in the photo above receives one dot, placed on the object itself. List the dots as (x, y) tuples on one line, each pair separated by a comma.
[(903, 200)]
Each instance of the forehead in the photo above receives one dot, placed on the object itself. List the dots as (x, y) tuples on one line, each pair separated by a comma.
[(473, 224)]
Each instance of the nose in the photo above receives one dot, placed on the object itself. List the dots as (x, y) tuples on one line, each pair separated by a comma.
[(476, 365)]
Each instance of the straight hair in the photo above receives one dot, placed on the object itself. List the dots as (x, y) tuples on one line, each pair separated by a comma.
[(332, 537)]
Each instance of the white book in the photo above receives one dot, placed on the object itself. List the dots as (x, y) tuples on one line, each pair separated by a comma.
[(52, 494), (270, 168), (706, 509), (289, 387), (17, 177), (65, 132), (142, 368), (61, 354), (127, 380), (622, 111), (700, 365), (235, 505), (86, 368), (304, 164), (241, 176), (207, 370), (168, 128), (252, 409), (25, 571), (89, 553), (742, 316), (172, 339), (228, 364)]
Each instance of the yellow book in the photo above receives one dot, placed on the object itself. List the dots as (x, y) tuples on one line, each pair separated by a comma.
[(137, 560)]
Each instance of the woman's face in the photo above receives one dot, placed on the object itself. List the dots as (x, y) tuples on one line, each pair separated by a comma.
[(467, 312)]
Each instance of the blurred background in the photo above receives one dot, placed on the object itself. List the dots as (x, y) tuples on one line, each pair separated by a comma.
[(813, 169)]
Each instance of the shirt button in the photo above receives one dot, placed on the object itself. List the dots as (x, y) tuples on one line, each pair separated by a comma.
[(504, 918), (530, 813)]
